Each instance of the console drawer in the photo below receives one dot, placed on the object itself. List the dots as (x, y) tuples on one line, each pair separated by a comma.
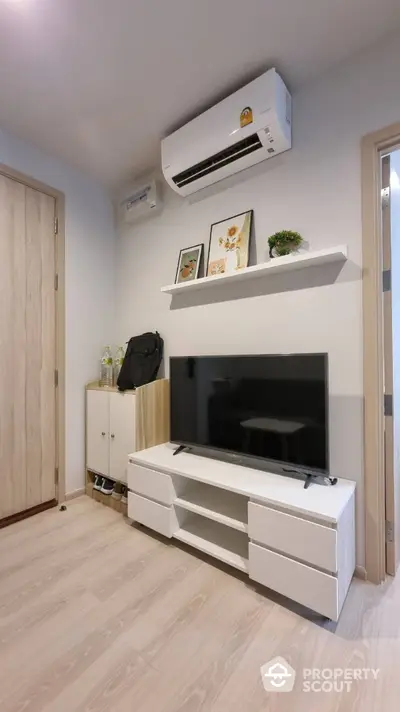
[(310, 542), (155, 516), (150, 483), (313, 589)]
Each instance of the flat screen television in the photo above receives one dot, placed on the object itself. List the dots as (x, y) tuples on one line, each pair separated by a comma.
[(271, 407)]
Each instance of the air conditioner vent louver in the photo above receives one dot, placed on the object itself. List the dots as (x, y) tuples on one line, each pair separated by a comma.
[(218, 160)]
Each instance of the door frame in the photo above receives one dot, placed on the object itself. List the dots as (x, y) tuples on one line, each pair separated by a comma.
[(59, 198), (372, 147), (388, 369)]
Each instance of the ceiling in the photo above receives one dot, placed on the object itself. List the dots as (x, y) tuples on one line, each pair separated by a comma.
[(99, 82)]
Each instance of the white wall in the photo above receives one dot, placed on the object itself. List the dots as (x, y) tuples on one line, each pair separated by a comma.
[(90, 285), (315, 189)]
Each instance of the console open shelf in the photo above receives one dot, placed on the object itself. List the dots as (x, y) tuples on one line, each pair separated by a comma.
[(221, 542), (221, 506), (278, 264)]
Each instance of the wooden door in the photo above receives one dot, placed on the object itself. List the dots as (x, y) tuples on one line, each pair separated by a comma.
[(98, 431), (27, 348), (122, 433)]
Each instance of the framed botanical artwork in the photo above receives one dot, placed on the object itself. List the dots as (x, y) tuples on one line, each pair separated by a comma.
[(189, 264), (230, 244)]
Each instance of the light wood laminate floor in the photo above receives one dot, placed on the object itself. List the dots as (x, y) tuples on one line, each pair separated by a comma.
[(96, 615)]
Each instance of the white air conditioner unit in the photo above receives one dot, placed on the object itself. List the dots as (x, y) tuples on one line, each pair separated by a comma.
[(249, 126), (140, 203)]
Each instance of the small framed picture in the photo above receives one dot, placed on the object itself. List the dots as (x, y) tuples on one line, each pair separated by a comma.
[(230, 244), (189, 264)]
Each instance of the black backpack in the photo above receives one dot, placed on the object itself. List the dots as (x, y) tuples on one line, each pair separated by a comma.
[(142, 361)]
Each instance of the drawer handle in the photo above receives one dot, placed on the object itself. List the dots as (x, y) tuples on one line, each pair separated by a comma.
[(103, 434), (113, 436)]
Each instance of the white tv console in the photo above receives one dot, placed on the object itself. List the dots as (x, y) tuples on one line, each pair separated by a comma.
[(298, 542)]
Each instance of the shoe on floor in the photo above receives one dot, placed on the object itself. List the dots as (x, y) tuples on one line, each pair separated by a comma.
[(107, 486), (98, 483), (124, 498), (117, 491)]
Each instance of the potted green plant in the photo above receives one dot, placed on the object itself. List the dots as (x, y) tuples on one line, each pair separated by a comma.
[(284, 242)]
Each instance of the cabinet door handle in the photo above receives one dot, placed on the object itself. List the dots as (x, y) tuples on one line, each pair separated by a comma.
[(113, 436), (103, 434)]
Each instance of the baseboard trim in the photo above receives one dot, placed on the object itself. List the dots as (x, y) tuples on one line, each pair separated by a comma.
[(75, 493), (361, 573), (13, 518)]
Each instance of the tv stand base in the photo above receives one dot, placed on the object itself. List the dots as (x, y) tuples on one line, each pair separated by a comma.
[(299, 543), (179, 449), (312, 477)]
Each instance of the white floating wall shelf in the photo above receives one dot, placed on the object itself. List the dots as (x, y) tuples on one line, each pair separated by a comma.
[(278, 264)]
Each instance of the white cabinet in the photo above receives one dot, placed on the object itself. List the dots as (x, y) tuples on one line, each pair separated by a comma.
[(299, 538), (156, 516), (151, 484), (110, 432), (122, 433), (97, 432), (311, 587), (298, 542)]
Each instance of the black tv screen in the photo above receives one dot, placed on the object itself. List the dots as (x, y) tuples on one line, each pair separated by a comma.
[(269, 407)]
